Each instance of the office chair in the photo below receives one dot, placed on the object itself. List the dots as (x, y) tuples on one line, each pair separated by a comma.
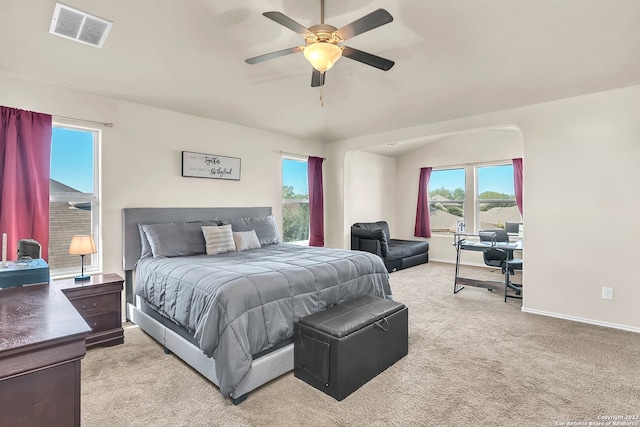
[(502, 258), (496, 257), (512, 264)]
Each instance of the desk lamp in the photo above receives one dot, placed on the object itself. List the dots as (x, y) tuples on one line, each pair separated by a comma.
[(82, 245)]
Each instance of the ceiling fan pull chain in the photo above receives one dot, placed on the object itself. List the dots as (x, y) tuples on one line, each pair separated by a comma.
[(321, 97)]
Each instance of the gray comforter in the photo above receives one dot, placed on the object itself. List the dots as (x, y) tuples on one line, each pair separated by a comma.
[(238, 304)]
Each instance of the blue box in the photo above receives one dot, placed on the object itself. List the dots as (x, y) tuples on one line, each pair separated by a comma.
[(18, 273)]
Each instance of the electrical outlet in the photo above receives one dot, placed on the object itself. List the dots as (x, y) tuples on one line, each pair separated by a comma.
[(607, 293)]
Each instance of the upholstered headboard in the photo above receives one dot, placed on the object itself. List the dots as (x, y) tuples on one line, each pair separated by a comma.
[(131, 217)]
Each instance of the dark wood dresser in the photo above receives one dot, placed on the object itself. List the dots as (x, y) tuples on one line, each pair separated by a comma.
[(99, 302), (42, 341)]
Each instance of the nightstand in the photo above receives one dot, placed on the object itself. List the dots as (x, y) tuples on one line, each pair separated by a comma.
[(99, 302)]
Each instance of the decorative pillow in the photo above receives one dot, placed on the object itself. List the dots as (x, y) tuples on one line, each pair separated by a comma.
[(246, 240), (265, 227), (175, 238), (219, 239)]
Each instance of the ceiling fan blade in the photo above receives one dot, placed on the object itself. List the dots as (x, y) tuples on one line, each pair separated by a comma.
[(364, 24), (267, 56), (317, 78), (284, 20), (367, 58)]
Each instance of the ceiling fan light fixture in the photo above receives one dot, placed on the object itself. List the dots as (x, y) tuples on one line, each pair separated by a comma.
[(322, 55)]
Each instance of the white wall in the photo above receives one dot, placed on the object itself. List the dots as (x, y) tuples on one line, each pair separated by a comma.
[(580, 200), (372, 189), (141, 155), (581, 180)]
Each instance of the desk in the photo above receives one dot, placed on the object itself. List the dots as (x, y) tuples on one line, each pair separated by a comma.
[(462, 244)]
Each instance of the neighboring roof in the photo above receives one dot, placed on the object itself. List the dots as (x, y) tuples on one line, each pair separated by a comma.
[(58, 187), (438, 198), (496, 217), (443, 220), (499, 216)]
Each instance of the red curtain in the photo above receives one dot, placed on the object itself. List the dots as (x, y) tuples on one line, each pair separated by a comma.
[(316, 201), (25, 151), (423, 220), (517, 182)]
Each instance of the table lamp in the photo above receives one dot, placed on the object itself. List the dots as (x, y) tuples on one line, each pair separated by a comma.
[(82, 245)]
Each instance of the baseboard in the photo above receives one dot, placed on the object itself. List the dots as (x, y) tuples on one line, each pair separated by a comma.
[(582, 320)]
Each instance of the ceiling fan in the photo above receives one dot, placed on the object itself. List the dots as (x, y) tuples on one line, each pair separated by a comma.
[(322, 49)]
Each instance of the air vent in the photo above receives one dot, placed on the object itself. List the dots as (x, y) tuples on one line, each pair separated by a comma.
[(75, 25)]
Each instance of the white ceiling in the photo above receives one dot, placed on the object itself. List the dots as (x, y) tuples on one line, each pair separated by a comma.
[(454, 58)]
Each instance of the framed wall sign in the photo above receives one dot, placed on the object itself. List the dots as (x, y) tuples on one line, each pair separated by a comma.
[(200, 165)]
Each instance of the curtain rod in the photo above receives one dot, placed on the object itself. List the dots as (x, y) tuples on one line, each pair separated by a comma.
[(109, 125), (301, 156), (461, 165)]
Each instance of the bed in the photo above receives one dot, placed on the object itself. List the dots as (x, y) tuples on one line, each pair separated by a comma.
[(230, 314)]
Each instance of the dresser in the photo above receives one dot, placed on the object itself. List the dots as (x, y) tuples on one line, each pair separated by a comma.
[(42, 341), (99, 302)]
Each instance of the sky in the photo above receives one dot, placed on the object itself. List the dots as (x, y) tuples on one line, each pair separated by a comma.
[(490, 178), (72, 158), (294, 172)]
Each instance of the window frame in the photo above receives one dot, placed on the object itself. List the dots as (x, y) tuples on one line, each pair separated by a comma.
[(94, 262), (462, 203), (478, 200), (471, 217), (294, 201)]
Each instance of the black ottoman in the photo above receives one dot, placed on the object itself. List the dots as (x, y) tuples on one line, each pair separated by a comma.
[(339, 349)]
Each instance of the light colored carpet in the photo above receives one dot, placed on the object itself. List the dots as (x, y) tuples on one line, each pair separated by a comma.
[(473, 360)]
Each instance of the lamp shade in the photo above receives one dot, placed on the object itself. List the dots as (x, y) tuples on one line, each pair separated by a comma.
[(322, 55), (82, 245)]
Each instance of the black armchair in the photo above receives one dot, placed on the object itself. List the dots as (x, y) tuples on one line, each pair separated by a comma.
[(396, 253)]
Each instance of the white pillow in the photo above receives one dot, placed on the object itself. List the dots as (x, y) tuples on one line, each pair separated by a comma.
[(246, 240), (219, 239)]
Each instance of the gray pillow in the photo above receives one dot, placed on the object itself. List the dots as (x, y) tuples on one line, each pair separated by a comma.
[(265, 227), (176, 238), (146, 247)]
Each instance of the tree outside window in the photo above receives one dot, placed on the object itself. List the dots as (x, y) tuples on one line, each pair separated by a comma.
[(295, 201)]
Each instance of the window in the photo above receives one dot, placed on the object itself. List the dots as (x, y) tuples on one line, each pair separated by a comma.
[(496, 197), (295, 201), (446, 199), (493, 197), (73, 199)]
